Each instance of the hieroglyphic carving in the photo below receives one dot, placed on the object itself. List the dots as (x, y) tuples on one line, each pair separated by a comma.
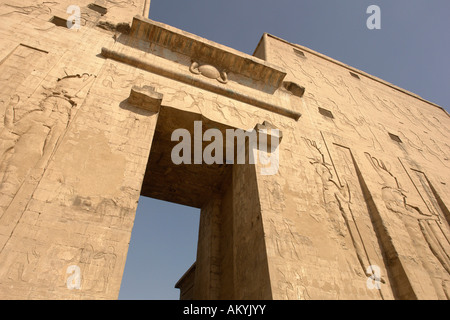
[(418, 222)]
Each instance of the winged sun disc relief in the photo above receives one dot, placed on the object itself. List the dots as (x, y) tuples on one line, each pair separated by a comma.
[(209, 71)]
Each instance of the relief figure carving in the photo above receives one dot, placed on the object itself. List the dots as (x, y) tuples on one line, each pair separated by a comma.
[(96, 266), (8, 138), (284, 239), (425, 149), (23, 265), (359, 125), (103, 263), (36, 133), (120, 3), (419, 225), (338, 205), (292, 290), (38, 9), (15, 272)]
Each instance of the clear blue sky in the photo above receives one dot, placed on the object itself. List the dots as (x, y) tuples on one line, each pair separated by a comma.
[(411, 51)]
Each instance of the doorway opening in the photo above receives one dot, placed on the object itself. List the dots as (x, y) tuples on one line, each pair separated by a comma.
[(163, 246), (164, 239), (230, 260)]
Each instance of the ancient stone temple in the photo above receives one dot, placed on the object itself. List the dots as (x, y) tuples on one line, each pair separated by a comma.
[(347, 196)]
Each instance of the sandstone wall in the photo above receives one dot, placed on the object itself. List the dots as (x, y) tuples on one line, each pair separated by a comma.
[(361, 185)]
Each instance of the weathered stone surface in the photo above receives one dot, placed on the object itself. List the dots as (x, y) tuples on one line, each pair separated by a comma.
[(145, 97), (362, 170)]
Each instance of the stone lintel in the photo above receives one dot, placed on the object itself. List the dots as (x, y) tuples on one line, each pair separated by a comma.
[(207, 52)]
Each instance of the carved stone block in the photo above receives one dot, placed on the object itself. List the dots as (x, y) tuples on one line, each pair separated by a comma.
[(145, 97)]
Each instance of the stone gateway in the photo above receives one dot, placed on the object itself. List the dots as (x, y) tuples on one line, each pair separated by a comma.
[(356, 206)]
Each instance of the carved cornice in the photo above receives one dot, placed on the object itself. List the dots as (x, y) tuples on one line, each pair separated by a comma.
[(207, 52)]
